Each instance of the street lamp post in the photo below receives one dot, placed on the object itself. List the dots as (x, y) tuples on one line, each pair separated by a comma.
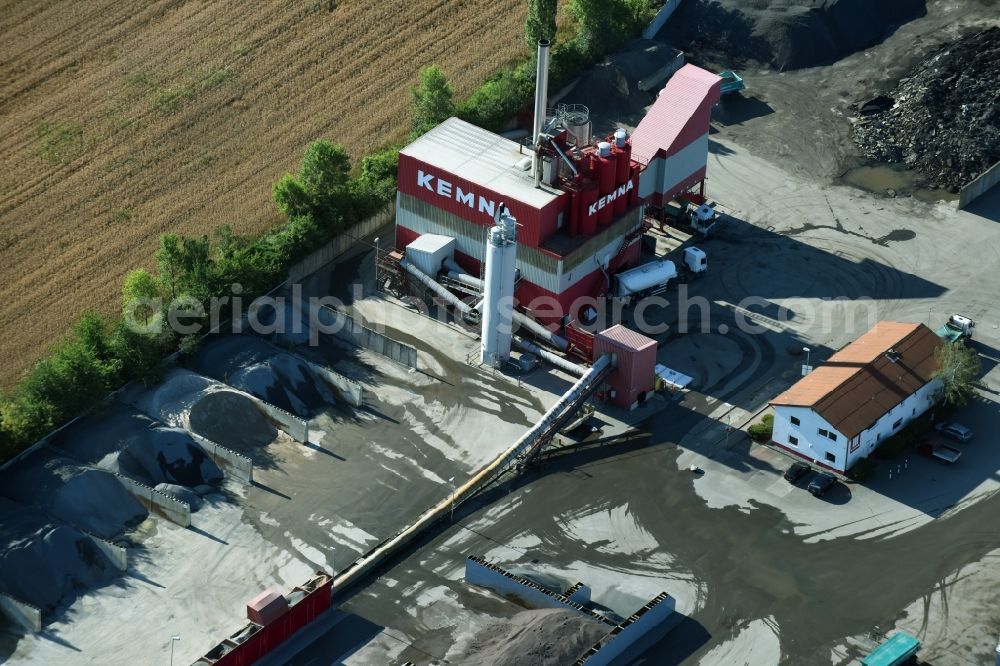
[(376, 264), (451, 482), (333, 566), (729, 423), (173, 639), (806, 369)]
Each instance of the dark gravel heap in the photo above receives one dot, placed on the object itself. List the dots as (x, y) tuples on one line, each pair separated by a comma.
[(945, 122), (786, 34)]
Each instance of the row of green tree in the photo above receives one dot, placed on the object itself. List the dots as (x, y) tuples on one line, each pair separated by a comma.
[(323, 198)]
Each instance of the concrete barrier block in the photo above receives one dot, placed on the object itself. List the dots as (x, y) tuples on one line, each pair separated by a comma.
[(169, 507), (635, 634), (348, 389), (21, 613), (234, 464), (114, 552)]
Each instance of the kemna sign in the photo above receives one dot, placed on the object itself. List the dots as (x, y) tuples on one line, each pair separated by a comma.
[(610, 197), (444, 188)]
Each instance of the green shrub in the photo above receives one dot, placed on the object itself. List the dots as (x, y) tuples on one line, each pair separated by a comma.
[(761, 431), (861, 470)]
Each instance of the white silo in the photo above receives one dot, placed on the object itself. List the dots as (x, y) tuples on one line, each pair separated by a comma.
[(498, 290)]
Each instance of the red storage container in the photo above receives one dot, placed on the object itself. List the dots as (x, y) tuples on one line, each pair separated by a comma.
[(266, 607), (636, 354)]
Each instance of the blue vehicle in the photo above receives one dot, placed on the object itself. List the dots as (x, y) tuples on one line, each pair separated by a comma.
[(731, 82), (897, 650)]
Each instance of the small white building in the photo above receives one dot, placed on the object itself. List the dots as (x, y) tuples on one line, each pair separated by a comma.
[(865, 393)]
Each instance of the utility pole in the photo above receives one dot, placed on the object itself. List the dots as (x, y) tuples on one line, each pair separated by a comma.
[(451, 482)]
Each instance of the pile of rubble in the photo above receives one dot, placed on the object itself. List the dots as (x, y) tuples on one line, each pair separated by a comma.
[(943, 120)]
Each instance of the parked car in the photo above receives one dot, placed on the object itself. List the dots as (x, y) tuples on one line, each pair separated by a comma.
[(954, 430), (796, 471), (821, 483)]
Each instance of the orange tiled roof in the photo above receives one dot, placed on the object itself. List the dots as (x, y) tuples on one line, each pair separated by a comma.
[(859, 383)]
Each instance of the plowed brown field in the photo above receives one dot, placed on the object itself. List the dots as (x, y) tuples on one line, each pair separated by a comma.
[(121, 120)]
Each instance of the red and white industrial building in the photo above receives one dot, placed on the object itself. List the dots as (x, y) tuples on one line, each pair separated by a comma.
[(567, 211), (581, 220)]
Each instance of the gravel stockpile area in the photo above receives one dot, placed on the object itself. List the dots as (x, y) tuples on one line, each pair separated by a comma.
[(87, 498), (942, 120), (41, 561), (124, 441), (787, 34), (188, 400), (265, 371), (536, 638)]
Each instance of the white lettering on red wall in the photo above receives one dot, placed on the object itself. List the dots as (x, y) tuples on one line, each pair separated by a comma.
[(609, 198), (444, 188)]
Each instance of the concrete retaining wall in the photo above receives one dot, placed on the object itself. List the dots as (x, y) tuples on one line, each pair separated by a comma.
[(348, 389), (636, 633), (661, 18), (115, 553), (579, 593), (982, 184), (236, 465), (528, 593), (169, 507), (355, 332), (297, 428), (340, 245), (21, 613), (660, 76)]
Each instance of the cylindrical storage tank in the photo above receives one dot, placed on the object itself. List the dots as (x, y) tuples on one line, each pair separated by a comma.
[(588, 222), (498, 292), (573, 211), (624, 157), (607, 168)]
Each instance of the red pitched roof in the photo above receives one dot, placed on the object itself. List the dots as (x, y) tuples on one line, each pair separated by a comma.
[(859, 384), (679, 115), (626, 338)]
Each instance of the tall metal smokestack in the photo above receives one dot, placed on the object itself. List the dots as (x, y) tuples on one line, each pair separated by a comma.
[(541, 101)]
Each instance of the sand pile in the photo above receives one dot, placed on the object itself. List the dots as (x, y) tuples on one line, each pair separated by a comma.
[(41, 562), (548, 636), (124, 441), (943, 119), (88, 498), (265, 371), (188, 400), (787, 34)]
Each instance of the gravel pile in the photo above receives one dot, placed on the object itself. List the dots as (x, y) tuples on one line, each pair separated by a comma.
[(787, 34), (187, 400), (124, 441), (85, 497), (265, 371), (42, 562), (535, 637), (944, 119)]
